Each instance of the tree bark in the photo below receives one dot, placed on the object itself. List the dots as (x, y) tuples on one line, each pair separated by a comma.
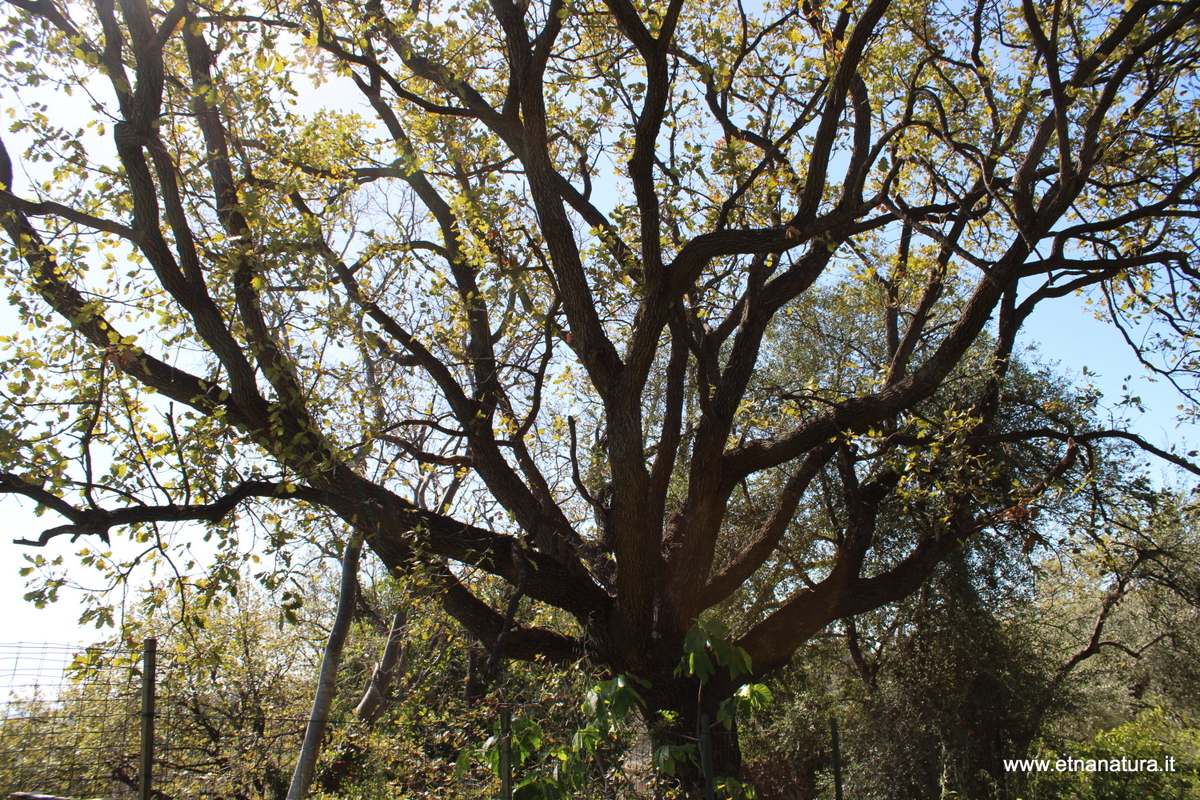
[(390, 666), (327, 683), (675, 708)]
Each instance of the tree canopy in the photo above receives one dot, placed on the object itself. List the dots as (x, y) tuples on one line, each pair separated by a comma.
[(631, 307)]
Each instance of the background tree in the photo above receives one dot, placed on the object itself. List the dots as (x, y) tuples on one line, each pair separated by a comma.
[(516, 322), (1007, 655)]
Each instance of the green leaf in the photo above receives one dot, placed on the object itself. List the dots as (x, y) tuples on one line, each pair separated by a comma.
[(739, 662), (695, 640), (700, 665)]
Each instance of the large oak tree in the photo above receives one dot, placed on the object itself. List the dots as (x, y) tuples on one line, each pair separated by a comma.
[(603, 299)]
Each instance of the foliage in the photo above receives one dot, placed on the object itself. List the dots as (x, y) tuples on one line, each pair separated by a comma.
[(233, 692), (230, 693), (81, 741), (964, 689), (589, 752), (1005, 655), (1171, 744)]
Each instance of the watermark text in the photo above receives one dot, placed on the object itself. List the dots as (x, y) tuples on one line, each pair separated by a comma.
[(1090, 764)]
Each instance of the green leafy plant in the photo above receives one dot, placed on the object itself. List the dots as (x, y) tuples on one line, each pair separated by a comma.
[(559, 765)]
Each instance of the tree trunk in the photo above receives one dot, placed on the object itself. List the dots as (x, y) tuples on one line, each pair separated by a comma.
[(673, 719), (391, 666), (326, 683)]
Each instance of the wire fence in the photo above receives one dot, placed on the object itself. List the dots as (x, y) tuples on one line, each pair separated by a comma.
[(119, 722), (74, 723), (89, 723), (68, 729)]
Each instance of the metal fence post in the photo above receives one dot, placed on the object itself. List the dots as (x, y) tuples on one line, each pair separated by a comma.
[(149, 657), (505, 752), (706, 759), (837, 759)]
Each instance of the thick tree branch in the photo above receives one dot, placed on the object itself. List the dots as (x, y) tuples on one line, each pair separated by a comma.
[(99, 521)]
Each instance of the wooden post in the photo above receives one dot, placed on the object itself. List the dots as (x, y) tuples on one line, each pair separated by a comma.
[(505, 752), (837, 759), (145, 773)]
